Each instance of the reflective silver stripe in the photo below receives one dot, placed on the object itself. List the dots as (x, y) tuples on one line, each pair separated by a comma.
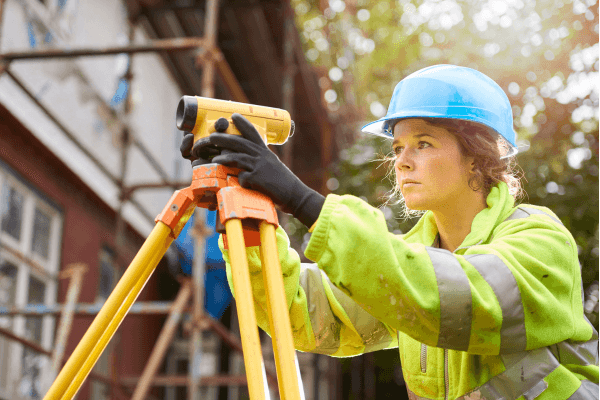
[(587, 391), (524, 212), (325, 327), (523, 376), (504, 285), (536, 390), (585, 353), (525, 371), (455, 300), (373, 332)]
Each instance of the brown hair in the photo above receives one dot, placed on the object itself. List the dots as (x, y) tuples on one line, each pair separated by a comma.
[(487, 148)]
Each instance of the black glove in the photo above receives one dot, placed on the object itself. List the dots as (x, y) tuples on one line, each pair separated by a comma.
[(202, 151), (264, 172)]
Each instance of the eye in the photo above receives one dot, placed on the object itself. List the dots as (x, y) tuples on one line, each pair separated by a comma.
[(422, 145)]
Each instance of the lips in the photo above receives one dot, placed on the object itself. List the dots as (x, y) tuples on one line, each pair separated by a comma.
[(408, 181)]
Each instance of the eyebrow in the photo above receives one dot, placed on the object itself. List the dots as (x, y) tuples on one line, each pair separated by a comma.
[(415, 136)]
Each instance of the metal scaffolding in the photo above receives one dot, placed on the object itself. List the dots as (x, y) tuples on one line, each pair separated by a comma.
[(211, 60)]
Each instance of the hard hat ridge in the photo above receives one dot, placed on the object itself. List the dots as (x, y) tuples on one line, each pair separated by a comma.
[(450, 92)]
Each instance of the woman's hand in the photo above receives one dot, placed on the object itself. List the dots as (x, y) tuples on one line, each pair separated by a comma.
[(202, 151), (261, 170), (264, 172)]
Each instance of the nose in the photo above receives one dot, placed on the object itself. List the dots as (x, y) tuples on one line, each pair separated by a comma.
[(404, 161)]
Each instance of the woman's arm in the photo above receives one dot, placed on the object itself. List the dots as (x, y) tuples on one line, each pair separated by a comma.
[(324, 319), (518, 290)]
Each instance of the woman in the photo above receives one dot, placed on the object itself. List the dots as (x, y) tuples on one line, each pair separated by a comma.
[(483, 299)]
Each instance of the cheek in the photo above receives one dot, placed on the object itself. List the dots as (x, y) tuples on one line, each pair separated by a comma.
[(444, 173), (435, 165)]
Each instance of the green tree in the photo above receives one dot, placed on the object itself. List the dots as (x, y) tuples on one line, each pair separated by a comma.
[(543, 53)]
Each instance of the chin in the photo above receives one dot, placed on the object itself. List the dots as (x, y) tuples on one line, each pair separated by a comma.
[(416, 208), (416, 204)]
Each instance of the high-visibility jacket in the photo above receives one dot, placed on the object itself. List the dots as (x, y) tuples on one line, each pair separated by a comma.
[(501, 317)]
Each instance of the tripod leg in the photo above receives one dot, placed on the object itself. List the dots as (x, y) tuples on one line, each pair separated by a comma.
[(245, 308), (111, 315), (279, 318), (108, 333)]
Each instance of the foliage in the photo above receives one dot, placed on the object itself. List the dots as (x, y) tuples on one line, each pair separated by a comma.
[(543, 53)]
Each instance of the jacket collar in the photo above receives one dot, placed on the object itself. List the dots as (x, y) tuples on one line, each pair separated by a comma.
[(500, 205)]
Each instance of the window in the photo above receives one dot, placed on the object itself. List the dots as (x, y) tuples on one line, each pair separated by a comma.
[(8, 279), (109, 276), (30, 235), (33, 325), (41, 233), (12, 211), (32, 361)]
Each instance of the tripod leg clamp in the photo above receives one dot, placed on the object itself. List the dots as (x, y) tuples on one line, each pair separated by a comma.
[(248, 205), (177, 211)]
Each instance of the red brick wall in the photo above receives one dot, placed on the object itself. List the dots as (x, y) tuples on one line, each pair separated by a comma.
[(88, 224)]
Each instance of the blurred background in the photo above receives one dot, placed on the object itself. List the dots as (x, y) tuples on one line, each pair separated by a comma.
[(89, 155)]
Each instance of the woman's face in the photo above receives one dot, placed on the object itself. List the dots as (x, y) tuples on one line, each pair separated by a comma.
[(430, 169)]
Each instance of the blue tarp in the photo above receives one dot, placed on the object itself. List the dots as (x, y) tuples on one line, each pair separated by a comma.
[(217, 294)]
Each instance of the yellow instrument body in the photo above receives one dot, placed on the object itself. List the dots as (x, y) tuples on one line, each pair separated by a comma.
[(198, 115)]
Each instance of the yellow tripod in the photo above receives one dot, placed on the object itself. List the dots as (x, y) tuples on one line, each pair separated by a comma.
[(250, 219)]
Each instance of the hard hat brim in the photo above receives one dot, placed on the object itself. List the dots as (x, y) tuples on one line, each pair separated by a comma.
[(380, 127)]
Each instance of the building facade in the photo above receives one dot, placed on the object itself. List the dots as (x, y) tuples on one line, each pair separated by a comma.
[(77, 132)]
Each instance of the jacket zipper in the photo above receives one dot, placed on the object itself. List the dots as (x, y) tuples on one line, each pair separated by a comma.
[(446, 378), (424, 367)]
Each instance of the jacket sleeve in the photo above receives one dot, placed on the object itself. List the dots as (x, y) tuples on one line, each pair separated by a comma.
[(518, 292), (324, 319)]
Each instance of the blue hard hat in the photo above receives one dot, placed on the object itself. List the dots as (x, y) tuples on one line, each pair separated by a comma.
[(452, 92)]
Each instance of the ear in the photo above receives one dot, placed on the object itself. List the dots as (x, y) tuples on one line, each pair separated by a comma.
[(470, 163)]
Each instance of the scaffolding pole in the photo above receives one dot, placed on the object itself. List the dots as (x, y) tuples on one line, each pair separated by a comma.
[(125, 141), (182, 380), (210, 35), (162, 343), (289, 74), (200, 233), (32, 345), (75, 274), (1, 14), (83, 309), (169, 45)]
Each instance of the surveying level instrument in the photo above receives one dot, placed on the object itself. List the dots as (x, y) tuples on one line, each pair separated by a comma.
[(199, 115), (249, 219)]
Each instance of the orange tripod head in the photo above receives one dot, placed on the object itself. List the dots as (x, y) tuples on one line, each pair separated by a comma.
[(198, 115)]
